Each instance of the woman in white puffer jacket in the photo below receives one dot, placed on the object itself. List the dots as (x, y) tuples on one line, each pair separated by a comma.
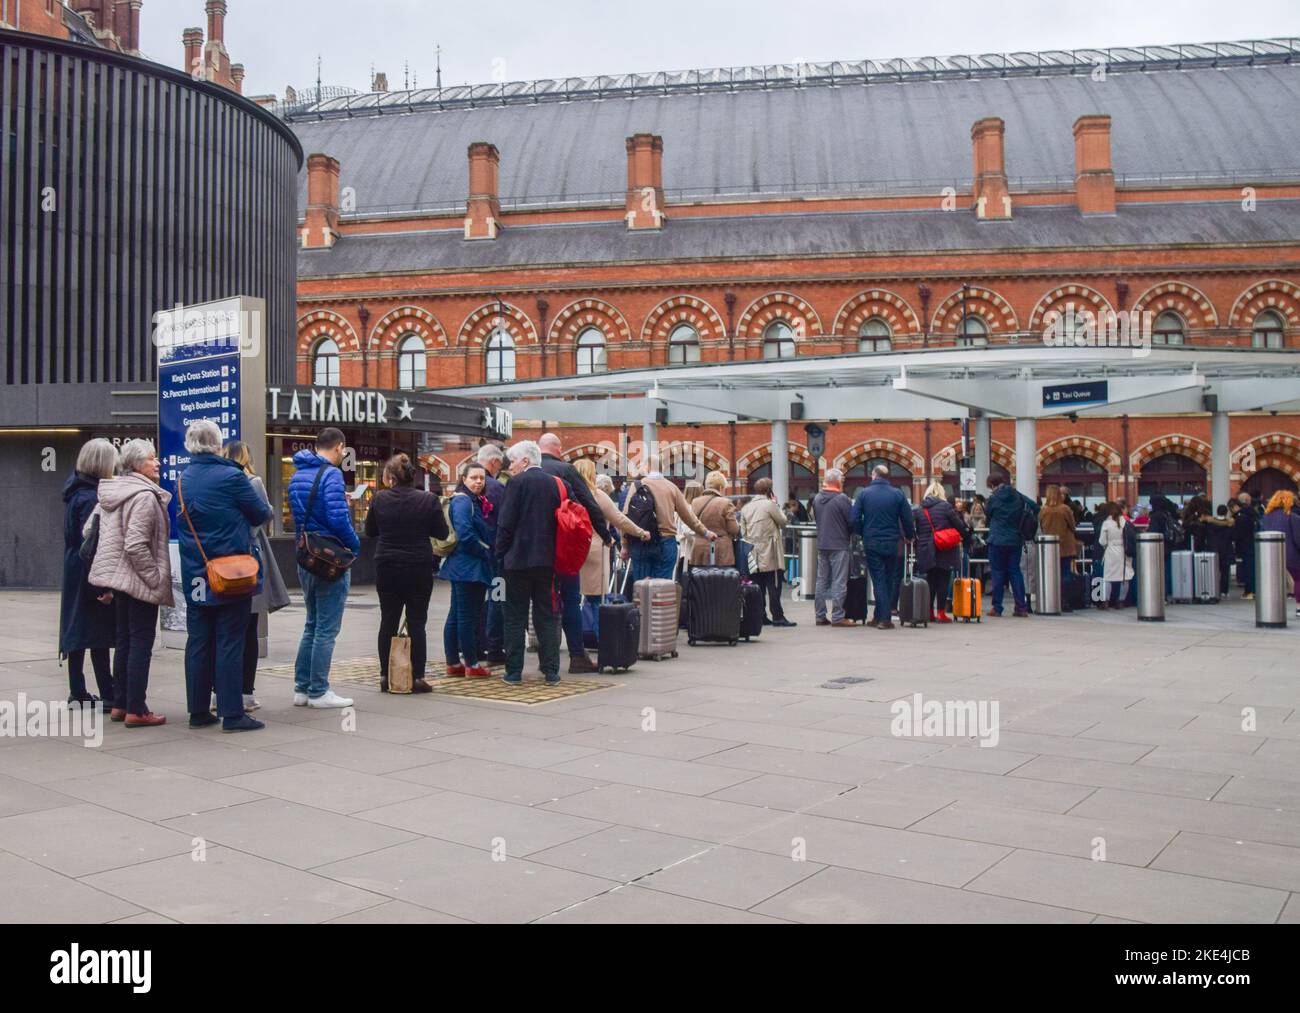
[(134, 560)]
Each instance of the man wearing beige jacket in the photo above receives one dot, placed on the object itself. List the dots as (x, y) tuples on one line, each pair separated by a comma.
[(657, 558)]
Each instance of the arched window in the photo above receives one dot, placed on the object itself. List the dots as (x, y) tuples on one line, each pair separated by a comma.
[(1267, 481), (859, 476), (1169, 329), (591, 352), (1268, 330), (412, 363), (974, 333), (778, 341), (803, 483), (1083, 479), (500, 358), (875, 336), (683, 345), (1172, 475), (325, 364)]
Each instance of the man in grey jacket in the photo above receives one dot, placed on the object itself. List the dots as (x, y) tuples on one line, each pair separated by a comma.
[(834, 513)]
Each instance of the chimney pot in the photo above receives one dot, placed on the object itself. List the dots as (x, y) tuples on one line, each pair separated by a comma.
[(216, 11), (1094, 182), (193, 39), (483, 213), (237, 77)]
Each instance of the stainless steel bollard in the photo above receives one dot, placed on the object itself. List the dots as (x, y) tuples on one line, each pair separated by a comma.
[(1151, 577), (808, 561), (1270, 579), (1048, 553)]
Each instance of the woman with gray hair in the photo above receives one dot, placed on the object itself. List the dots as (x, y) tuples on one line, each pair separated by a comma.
[(86, 618), (218, 510), (134, 560)]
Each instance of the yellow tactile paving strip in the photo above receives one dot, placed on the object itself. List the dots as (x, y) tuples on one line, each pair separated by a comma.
[(365, 672)]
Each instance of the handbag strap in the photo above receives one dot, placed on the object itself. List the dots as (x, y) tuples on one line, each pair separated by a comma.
[(180, 491), (311, 500)]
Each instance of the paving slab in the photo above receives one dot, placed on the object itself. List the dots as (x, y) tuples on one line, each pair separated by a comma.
[(621, 853), (34, 894), (79, 840), (638, 906)]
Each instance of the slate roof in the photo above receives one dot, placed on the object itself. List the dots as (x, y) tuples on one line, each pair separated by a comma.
[(1225, 122), (753, 237)]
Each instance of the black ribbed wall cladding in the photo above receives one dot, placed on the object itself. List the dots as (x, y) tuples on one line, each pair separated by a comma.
[(125, 188)]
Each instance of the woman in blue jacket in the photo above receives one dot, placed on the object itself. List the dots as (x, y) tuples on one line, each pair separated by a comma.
[(469, 569)]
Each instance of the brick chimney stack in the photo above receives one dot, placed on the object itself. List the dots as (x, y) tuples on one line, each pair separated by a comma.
[(216, 11), (645, 181), (320, 230), (237, 77), (133, 25), (484, 211), (194, 62), (122, 24), (992, 198), (1094, 183)]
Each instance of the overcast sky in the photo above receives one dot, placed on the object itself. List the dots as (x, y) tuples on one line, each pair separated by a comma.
[(510, 40)]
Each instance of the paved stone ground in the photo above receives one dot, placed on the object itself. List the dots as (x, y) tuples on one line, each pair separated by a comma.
[(1109, 729)]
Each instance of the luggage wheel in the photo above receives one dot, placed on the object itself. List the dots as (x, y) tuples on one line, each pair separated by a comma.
[(691, 643), (673, 655)]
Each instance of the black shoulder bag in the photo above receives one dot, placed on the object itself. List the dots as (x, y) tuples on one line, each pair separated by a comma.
[(322, 555)]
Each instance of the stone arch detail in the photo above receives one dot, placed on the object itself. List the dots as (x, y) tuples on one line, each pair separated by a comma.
[(1176, 443), (762, 454), (1186, 300), (583, 313), (876, 302), (435, 465), (1099, 453), (405, 320), (992, 308), (483, 321), (325, 324), (1002, 454), (1051, 306), (801, 317), (1274, 294), (1272, 450), (889, 450), (683, 309)]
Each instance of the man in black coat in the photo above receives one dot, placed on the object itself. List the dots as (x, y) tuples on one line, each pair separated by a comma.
[(571, 587), (525, 549), (1243, 534)]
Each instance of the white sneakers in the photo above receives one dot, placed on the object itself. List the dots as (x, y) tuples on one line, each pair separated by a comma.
[(300, 699), (251, 703), (330, 700)]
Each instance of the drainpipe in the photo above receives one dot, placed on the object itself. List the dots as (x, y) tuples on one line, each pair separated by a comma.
[(730, 298), (734, 474), (923, 290), (542, 307), (363, 315)]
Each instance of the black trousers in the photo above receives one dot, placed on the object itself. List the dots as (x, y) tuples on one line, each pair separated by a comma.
[(535, 588), (250, 654), (938, 580), (103, 674), (404, 588), (137, 623), (770, 582), (214, 657)]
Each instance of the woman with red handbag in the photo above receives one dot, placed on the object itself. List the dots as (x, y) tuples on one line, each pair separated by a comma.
[(939, 534)]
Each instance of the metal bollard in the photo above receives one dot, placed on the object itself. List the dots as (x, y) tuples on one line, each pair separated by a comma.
[(808, 561), (1048, 551), (1270, 580), (1151, 577)]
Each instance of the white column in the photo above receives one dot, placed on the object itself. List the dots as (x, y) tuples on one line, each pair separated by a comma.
[(983, 453), (1220, 457), (649, 439), (1027, 457), (781, 461)]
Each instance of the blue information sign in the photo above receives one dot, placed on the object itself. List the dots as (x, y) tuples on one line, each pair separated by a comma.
[(1073, 395)]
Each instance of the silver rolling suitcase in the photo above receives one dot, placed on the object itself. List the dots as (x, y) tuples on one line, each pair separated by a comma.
[(660, 604), (1183, 568), (1206, 578)]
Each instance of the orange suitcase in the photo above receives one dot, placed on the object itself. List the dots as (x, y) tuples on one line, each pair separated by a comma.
[(967, 599)]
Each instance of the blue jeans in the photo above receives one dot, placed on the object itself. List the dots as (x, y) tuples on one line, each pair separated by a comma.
[(214, 657), (460, 632), (886, 568), (570, 589), (1004, 561), (325, 601), (651, 561)]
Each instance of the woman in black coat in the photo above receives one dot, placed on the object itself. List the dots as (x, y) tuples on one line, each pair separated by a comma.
[(86, 614), (936, 514)]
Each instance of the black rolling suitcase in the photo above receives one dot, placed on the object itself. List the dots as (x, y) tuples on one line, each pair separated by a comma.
[(715, 605), (914, 598), (752, 610), (856, 605), (620, 636)]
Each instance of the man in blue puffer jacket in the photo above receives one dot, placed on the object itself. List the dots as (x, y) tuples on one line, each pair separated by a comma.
[(324, 599), (1006, 507)]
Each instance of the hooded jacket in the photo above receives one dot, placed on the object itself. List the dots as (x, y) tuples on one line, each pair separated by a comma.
[(1004, 510), (329, 514), (133, 556), (223, 507)]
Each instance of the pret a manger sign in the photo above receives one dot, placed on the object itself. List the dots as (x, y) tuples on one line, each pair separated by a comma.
[(329, 404)]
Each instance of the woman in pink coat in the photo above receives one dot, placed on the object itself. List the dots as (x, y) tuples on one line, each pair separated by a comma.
[(134, 560)]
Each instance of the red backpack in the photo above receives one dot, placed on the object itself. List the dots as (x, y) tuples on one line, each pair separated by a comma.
[(572, 534)]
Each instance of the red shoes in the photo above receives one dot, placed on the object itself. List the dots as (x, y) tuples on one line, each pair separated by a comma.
[(117, 715), (148, 720), (456, 670), (477, 672), (943, 617)]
